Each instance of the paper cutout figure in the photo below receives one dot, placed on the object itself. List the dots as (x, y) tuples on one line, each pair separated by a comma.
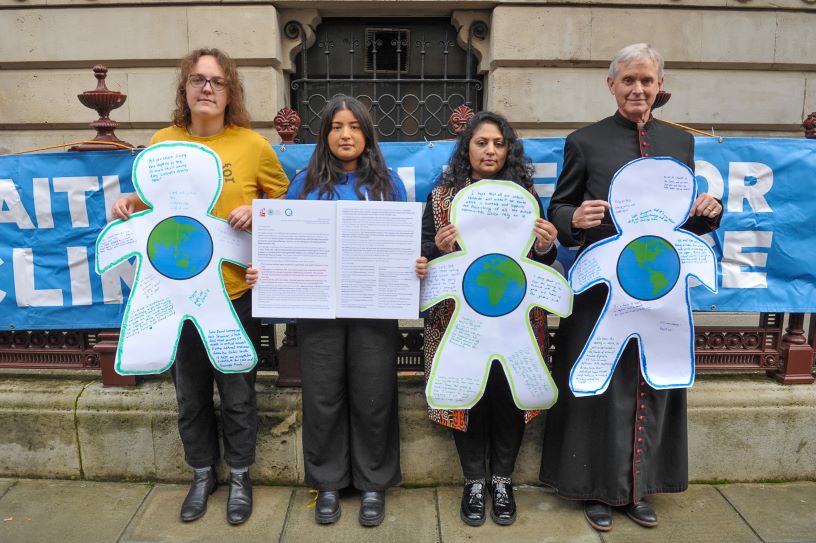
[(646, 267), (494, 286), (179, 247)]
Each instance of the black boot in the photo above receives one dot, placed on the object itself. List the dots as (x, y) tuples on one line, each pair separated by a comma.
[(504, 504), (239, 502), (642, 513), (327, 507), (195, 504), (599, 515), (372, 508), (472, 512)]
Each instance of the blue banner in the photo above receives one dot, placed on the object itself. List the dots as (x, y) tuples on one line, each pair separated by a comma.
[(766, 239), (52, 207)]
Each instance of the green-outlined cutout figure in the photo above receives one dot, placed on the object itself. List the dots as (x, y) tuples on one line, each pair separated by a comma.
[(179, 247), (494, 286)]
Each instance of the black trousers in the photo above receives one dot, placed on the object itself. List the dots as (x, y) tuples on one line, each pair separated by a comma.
[(495, 430), (193, 374), (350, 424)]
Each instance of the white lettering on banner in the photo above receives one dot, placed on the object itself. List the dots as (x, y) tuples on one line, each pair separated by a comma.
[(112, 282), (76, 187), (112, 189), (408, 176), (712, 175), (27, 295), (11, 207), (739, 191), (545, 170), (42, 202), (80, 274), (2, 292), (734, 259)]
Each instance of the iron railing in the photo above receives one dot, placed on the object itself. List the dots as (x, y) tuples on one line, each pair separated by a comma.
[(411, 78)]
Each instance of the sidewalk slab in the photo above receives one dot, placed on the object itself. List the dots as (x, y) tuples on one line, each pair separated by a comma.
[(410, 516), (779, 513), (700, 515), (158, 518), (68, 511), (543, 517), (5, 484)]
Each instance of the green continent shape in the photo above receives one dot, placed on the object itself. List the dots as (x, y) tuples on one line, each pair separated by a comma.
[(496, 277), (645, 253), (658, 280), (170, 234)]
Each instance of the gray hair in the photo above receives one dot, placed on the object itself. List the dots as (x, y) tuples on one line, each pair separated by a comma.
[(634, 52)]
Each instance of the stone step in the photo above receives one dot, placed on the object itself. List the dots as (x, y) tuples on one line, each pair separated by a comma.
[(741, 428)]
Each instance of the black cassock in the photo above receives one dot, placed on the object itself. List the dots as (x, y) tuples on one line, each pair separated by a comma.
[(632, 440)]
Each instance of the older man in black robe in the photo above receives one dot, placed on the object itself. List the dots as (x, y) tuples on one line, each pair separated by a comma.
[(616, 448)]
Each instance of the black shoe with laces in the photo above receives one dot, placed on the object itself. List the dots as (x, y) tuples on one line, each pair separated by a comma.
[(473, 504), (503, 502)]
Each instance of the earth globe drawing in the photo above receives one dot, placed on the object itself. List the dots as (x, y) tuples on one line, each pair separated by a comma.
[(494, 285), (179, 247), (648, 268)]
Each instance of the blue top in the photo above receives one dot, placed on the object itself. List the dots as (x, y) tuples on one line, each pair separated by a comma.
[(344, 189)]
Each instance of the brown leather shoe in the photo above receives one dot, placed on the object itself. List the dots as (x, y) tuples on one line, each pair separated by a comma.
[(642, 513), (598, 515)]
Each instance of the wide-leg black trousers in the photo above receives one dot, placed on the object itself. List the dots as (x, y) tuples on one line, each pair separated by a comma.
[(193, 374), (495, 430), (350, 424)]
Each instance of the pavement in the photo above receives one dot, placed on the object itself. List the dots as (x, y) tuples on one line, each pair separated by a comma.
[(48, 511)]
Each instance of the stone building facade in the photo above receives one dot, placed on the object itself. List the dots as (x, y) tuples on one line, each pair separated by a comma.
[(742, 67)]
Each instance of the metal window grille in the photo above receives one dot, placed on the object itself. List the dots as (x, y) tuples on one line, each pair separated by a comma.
[(411, 74)]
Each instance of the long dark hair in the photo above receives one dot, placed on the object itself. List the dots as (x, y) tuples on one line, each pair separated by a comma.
[(516, 168), (236, 113), (325, 170)]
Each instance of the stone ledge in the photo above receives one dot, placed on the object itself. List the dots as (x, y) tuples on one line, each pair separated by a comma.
[(741, 428), (345, 8)]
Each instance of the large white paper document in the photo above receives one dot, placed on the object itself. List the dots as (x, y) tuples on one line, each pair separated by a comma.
[(179, 247), (327, 259), (494, 286), (294, 249), (647, 267)]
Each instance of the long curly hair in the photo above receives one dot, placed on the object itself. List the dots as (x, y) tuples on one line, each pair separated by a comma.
[(517, 167), (236, 113), (325, 170)]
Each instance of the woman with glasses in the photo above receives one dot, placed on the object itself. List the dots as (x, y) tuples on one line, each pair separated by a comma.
[(210, 110)]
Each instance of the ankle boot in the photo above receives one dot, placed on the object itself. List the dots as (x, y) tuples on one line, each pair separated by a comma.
[(195, 504), (239, 502)]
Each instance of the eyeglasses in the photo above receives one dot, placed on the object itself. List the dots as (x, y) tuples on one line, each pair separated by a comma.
[(197, 81)]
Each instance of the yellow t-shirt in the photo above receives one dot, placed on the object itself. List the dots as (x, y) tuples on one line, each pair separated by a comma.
[(250, 170)]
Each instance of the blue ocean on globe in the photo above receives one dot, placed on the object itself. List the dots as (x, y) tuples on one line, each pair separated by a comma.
[(494, 285), (648, 268), (179, 247)]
